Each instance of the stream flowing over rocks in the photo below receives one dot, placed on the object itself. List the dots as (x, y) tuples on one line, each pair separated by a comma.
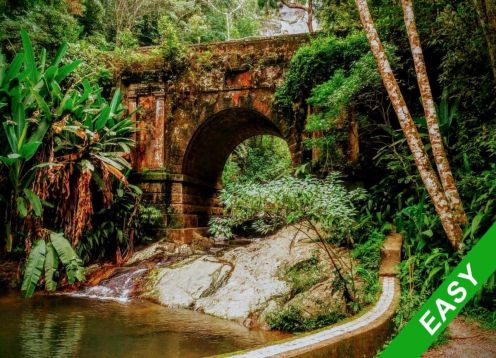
[(244, 283)]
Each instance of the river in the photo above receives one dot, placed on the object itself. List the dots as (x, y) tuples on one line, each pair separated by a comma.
[(63, 326)]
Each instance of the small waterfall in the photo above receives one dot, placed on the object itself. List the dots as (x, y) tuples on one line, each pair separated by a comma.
[(116, 288)]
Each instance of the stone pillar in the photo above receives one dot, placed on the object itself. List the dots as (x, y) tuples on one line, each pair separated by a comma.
[(131, 102), (157, 144)]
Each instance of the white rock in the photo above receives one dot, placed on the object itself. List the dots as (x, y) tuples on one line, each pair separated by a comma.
[(182, 286), (240, 282)]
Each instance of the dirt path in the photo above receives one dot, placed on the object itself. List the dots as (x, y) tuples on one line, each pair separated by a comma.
[(466, 340)]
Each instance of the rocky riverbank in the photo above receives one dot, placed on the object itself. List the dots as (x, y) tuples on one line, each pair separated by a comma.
[(270, 278)]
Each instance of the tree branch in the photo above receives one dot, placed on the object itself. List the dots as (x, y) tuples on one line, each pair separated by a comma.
[(294, 6)]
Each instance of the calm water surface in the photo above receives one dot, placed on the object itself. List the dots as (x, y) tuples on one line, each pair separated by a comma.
[(62, 326)]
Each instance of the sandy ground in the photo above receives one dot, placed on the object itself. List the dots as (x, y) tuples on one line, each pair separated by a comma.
[(466, 340)]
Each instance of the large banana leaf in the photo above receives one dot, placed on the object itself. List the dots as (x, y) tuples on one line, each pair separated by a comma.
[(34, 268), (35, 202), (68, 257), (51, 265)]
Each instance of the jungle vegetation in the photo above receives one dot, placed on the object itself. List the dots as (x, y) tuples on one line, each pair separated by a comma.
[(66, 139)]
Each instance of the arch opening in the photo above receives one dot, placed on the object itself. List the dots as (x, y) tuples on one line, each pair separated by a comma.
[(216, 139)]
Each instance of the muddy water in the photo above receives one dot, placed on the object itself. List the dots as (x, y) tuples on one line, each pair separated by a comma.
[(62, 326)]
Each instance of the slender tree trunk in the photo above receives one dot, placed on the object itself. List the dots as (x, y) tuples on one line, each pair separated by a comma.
[(307, 8), (438, 151), (427, 173), (486, 12), (310, 16)]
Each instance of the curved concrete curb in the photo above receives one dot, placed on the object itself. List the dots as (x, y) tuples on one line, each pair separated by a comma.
[(360, 337)]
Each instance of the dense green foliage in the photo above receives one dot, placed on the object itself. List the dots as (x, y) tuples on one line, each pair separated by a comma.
[(64, 148), (335, 77), (258, 159), (63, 155), (464, 88), (289, 200), (125, 23)]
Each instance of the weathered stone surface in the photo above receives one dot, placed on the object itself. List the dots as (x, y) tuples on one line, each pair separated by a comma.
[(239, 283), (161, 249), (184, 285), (190, 125), (191, 122)]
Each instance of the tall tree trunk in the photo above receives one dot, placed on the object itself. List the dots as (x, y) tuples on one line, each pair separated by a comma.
[(486, 12), (307, 8), (310, 16), (427, 173), (438, 151)]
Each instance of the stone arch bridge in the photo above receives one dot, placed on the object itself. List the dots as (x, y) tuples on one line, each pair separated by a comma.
[(191, 123)]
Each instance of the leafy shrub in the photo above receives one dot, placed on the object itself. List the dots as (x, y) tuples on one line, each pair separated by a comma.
[(258, 159), (291, 319), (50, 25), (304, 275), (315, 64), (324, 207), (266, 207)]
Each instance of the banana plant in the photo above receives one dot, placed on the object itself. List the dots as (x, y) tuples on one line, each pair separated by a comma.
[(44, 259), (28, 91)]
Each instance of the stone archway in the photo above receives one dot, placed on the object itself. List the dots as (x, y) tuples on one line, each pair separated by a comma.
[(215, 140), (190, 124), (195, 202)]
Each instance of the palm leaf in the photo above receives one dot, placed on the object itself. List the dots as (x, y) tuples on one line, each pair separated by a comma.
[(34, 268), (29, 58), (51, 264), (68, 257), (35, 202)]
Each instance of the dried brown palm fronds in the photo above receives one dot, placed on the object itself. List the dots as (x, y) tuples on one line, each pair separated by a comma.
[(81, 218)]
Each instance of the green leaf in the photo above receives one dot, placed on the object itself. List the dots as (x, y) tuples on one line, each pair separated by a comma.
[(14, 156), (60, 53), (11, 136), (28, 150), (51, 265), (65, 70), (68, 257), (35, 202), (15, 66), (41, 103), (21, 207), (474, 226), (29, 58), (42, 62), (34, 268), (7, 161), (40, 131), (102, 118), (116, 100)]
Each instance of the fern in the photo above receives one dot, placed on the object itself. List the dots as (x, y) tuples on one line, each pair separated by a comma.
[(34, 268)]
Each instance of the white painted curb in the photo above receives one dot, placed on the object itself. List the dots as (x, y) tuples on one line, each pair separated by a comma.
[(383, 304)]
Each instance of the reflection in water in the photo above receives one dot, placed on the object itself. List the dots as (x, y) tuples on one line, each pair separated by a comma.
[(48, 335), (72, 327)]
